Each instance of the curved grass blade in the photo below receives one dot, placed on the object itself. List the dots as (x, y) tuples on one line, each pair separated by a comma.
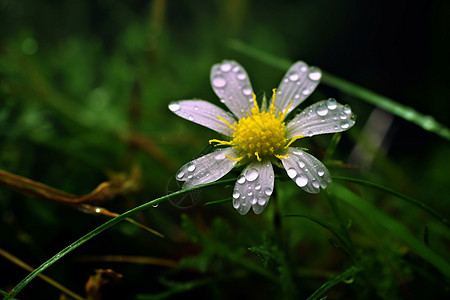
[(99, 230), (396, 194), (350, 272), (395, 228), (426, 122)]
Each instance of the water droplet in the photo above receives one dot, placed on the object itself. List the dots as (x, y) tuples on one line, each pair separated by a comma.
[(219, 81), (258, 187), (247, 91), (253, 201), (241, 76), (316, 184), (291, 172), (251, 174), (190, 118), (306, 91), (314, 74), (322, 109), (301, 181), (180, 174), (236, 194), (196, 107), (174, 107), (296, 96), (244, 201), (347, 109), (344, 124), (261, 201), (191, 167), (268, 191), (331, 104), (301, 164), (236, 69), (225, 67), (241, 179), (320, 172), (293, 77), (155, 205), (250, 193), (236, 203), (343, 115), (297, 151)]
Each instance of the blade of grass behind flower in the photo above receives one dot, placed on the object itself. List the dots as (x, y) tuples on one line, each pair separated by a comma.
[(425, 121)]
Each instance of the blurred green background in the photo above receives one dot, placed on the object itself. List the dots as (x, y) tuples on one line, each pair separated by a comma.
[(84, 89)]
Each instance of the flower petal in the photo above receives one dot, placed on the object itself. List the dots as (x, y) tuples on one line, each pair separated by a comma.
[(254, 187), (204, 113), (207, 168), (325, 116), (298, 83), (306, 171), (232, 85)]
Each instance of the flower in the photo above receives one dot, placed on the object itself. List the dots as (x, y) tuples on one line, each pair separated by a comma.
[(258, 137)]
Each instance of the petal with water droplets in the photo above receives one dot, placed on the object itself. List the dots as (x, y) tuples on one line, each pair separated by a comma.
[(322, 117), (297, 84), (254, 187), (232, 85), (306, 171), (207, 168), (204, 113)]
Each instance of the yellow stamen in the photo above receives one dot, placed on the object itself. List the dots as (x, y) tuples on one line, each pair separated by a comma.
[(294, 139), (257, 156), (281, 115), (281, 156), (219, 142), (226, 122), (255, 109), (272, 106), (235, 159)]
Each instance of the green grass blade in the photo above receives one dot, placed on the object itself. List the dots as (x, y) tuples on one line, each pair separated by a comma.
[(350, 272), (99, 230), (396, 194), (397, 229), (426, 122)]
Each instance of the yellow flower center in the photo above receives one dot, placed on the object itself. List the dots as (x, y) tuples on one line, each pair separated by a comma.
[(261, 134)]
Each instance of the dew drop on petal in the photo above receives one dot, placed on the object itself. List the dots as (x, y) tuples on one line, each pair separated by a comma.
[(293, 77), (190, 118), (261, 201), (254, 201), (344, 124), (347, 109), (291, 172), (314, 74), (241, 76), (236, 203), (316, 184), (258, 187), (244, 201), (297, 152), (250, 193), (247, 91), (236, 194), (331, 104), (322, 109), (241, 179), (301, 181), (320, 172), (180, 174), (268, 191), (191, 167), (251, 174), (219, 81), (306, 92), (236, 69), (343, 116), (225, 67), (174, 107), (301, 164)]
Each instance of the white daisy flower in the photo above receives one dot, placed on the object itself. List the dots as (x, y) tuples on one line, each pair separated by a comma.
[(258, 137)]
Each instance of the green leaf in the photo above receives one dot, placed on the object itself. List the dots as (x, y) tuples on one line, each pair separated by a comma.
[(397, 229)]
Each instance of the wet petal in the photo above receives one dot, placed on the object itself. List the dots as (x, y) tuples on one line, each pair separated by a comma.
[(325, 116), (298, 83), (208, 168), (254, 187), (204, 113), (232, 85), (306, 171)]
